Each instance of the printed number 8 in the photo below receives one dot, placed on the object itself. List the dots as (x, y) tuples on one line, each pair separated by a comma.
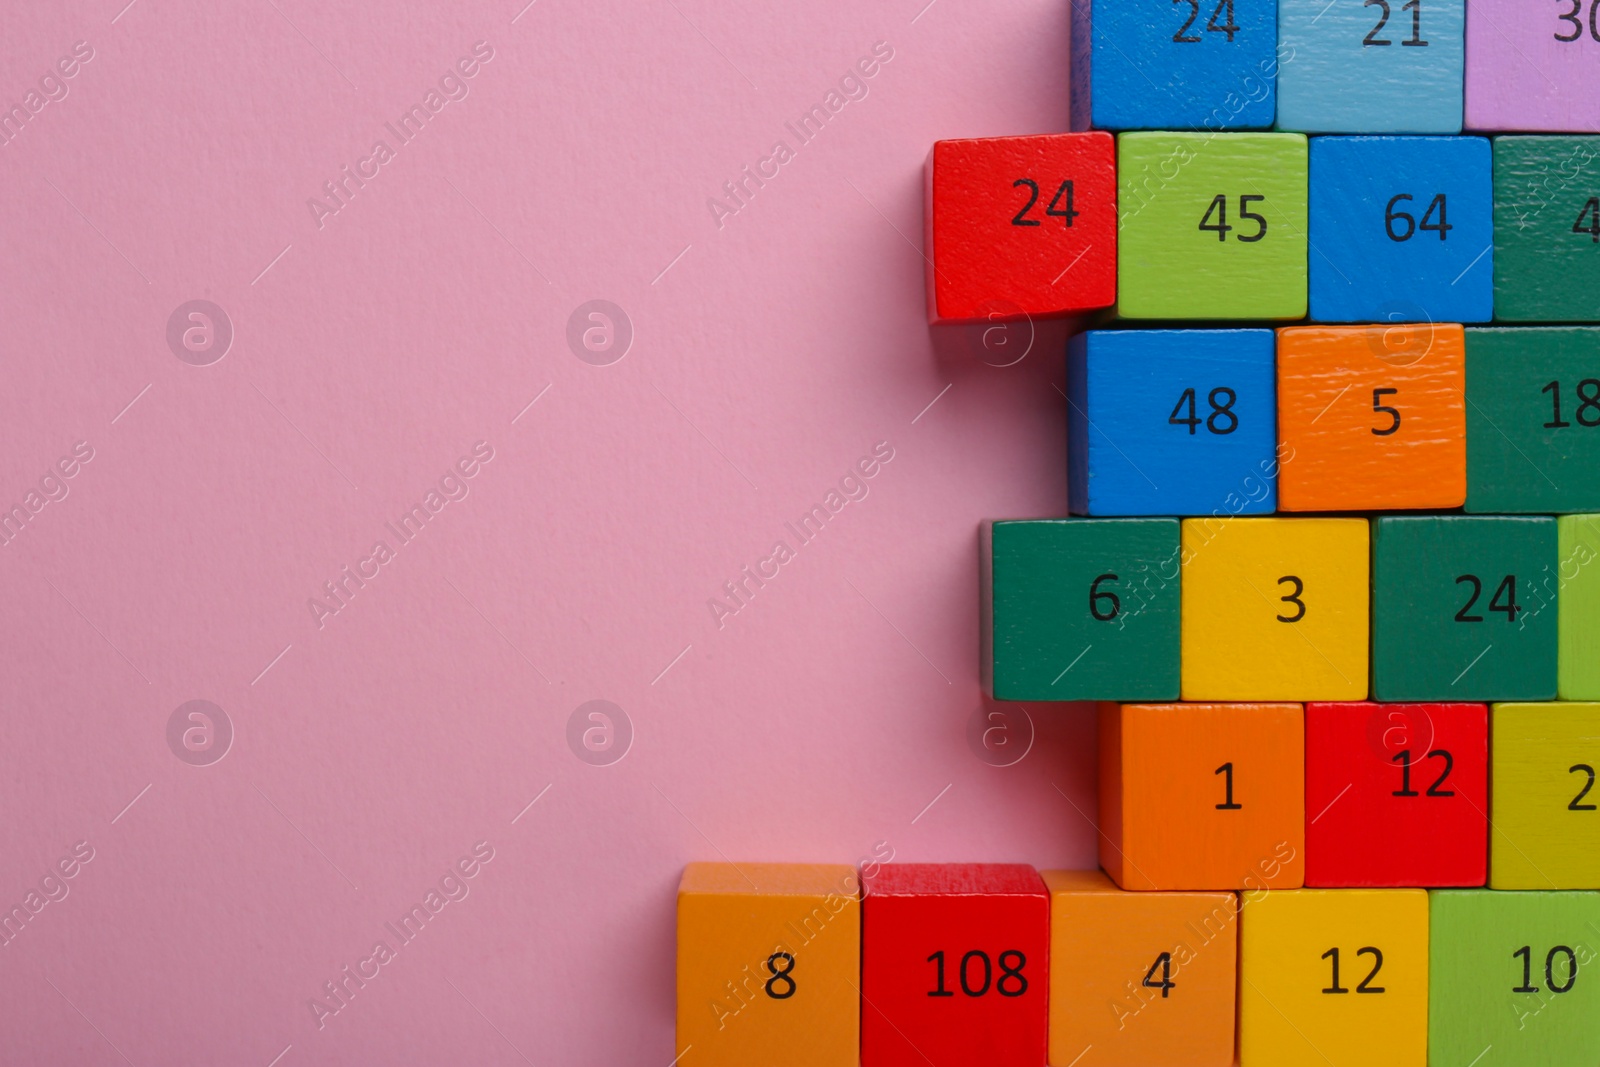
[(780, 976)]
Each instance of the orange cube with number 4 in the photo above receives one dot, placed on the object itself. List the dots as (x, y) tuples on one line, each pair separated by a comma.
[(1372, 417)]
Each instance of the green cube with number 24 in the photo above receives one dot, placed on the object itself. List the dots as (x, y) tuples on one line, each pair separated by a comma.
[(1211, 226)]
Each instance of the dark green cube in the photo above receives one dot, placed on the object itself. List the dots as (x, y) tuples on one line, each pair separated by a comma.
[(1533, 419), (1081, 609), (1547, 229), (1464, 608)]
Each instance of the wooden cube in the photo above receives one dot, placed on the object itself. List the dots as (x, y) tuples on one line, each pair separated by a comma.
[(1080, 609), (1020, 226), (1578, 612), (1139, 978), (1533, 405), (1371, 417), (1171, 422), (1213, 226), (1547, 228), (1370, 68), (1274, 609), (1527, 73), (1463, 608), (769, 957), (955, 966), (1512, 978), (1545, 814), (1397, 795), (1402, 229), (1202, 796), (1334, 978), (1177, 68)]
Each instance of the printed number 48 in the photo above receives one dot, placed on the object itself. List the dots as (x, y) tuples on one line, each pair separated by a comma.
[(1219, 208)]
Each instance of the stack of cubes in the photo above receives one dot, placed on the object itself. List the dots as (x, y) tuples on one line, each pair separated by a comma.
[(1332, 572)]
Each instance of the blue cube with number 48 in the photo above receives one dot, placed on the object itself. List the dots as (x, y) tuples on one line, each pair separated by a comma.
[(1172, 422), (1401, 229)]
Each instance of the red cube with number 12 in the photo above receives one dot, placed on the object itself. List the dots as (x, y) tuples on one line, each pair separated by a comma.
[(1021, 226), (1397, 795), (955, 966)]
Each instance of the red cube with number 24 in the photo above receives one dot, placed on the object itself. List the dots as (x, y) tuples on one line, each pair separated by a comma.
[(955, 966), (1021, 226)]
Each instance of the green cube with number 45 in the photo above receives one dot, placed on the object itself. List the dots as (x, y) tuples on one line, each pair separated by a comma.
[(1081, 609), (1512, 978), (1211, 225), (1464, 608)]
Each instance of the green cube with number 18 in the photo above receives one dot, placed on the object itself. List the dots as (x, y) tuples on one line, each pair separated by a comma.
[(1211, 225)]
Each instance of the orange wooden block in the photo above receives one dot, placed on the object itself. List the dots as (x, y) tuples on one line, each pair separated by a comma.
[(1139, 978), (1372, 417), (1202, 796)]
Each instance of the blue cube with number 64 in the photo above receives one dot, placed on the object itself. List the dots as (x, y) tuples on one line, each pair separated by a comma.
[(1402, 229), (1172, 422)]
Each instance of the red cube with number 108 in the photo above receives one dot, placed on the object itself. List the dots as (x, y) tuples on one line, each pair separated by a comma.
[(1021, 226), (1397, 795), (955, 966)]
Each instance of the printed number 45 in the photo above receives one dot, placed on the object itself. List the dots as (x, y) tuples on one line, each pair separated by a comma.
[(1219, 209)]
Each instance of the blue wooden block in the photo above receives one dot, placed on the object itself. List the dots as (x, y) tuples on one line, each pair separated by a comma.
[(1184, 65), (1370, 66), (1402, 229), (1172, 422)]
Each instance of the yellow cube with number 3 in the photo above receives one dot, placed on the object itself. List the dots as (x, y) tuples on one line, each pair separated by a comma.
[(769, 963), (1275, 609), (1333, 978)]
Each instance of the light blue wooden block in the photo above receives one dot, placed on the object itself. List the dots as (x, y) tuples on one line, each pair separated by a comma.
[(1334, 75)]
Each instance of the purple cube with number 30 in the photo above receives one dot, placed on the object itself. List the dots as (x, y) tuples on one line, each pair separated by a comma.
[(1533, 66)]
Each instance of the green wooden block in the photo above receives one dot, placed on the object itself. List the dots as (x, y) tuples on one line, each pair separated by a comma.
[(1579, 616), (1211, 226), (1547, 229), (1081, 609), (1463, 608), (1492, 1004), (1533, 419)]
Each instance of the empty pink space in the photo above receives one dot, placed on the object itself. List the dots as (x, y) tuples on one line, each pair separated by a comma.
[(438, 382), (1533, 67)]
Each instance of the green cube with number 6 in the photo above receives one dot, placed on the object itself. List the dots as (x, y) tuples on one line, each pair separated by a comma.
[(1464, 607), (1544, 808), (1513, 978), (1211, 226), (1081, 609)]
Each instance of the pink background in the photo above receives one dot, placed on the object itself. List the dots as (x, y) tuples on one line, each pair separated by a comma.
[(373, 751)]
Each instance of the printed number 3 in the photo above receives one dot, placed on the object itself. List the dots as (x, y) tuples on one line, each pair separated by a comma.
[(1293, 598)]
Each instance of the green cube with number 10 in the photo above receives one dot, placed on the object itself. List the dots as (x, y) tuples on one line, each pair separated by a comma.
[(1211, 226)]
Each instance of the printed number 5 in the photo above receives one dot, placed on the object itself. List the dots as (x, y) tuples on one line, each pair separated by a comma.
[(1383, 409), (1293, 598)]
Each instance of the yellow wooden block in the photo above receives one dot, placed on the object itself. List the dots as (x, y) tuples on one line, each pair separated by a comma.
[(1275, 609), (769, 962), (1334, 978), (1139, 978), (1544, 804)]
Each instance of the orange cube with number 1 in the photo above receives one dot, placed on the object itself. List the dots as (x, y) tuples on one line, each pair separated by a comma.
[(1372, 417)]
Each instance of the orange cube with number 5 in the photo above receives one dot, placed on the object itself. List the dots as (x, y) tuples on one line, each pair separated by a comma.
[(769, 957), (1372, 417)]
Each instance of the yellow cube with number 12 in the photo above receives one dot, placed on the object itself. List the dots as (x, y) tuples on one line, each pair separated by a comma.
[(1333, 978), (769, 965), (1275, 609)]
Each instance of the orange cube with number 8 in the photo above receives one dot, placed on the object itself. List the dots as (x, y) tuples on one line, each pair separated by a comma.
[(1372, 417)]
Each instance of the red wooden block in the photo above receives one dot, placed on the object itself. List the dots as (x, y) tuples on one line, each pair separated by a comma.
[(955, 966), (1021, 226), (1396, 794)]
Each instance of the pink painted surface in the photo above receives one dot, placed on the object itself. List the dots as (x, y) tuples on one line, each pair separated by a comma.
[(375, 747), (1519, 76)]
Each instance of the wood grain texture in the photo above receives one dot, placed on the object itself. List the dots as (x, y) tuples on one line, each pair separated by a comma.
[(997, 247), (1546, 244), (1340, 452), (1543, 836), (1160, 787), (1285, 1018), (1519, 76), (1108, 1006), (1168, 267), (1476, 972)]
